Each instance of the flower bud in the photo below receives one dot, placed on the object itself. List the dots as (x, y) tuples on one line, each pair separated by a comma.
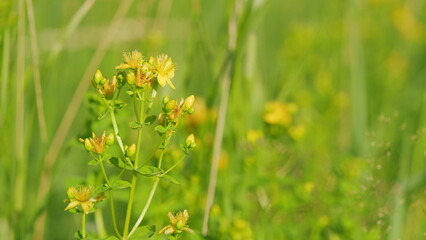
[(189, 102), (103, 81), (170, 106), (165, 99), (120, 77), (160, 119), (98, 77), (130, 78), (180, 224), (190, 111), (87, 144), (130, 151), (190, 141), (110, 139)]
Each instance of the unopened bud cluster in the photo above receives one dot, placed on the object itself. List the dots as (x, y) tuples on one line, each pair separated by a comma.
[(172, 110), (98, 144)]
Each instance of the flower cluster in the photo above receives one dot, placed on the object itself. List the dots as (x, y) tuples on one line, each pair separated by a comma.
[(143, 73), (140, 77), (97, 144)]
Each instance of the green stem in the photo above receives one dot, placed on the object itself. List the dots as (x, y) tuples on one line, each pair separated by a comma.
[(150, 197), (114, 221), (172, 167), (100, 225), (83, 226), (134, 177), (116, 132), (111, 200), (101, 163)]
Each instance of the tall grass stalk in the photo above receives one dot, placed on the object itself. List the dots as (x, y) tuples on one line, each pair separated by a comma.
[(71, 27), (36, 71), (357, 77), (4, 74), (220, 125)]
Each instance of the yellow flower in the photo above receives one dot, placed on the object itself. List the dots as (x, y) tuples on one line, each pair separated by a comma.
[(133, 60), (82, 196), (279, 113), (144, 75), (98, 143), (164, 68), (109, 87), (177, 223)]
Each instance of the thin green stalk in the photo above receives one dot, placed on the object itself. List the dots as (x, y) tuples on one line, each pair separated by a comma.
[(71, 27), (83, 226), (134, 177), (172, 167), (145, 208), (116, 132), (111, 200), (100, 225), (36, 71), (4, 74), (101, 163), (150, 197)]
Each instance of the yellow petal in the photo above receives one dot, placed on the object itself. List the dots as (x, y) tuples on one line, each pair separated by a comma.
[(172, 218), (187, 229), (170, 83), (72, 205), (167, 230), (161, 80), (86, 207), (123, 66)]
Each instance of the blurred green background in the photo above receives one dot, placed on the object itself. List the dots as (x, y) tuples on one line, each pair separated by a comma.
[(325, 128)]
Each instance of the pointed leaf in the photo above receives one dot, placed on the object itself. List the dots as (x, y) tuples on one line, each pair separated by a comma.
[(112, 238), (148, 171), (119, 105), (120, 184), (143, 233), (103, 114), (120, 163), (160, 129), (135, 125), (170, 179), (93, 162), (150, 120)]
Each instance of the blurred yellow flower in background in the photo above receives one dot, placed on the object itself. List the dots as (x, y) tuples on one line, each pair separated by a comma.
[(406, 23), (279, 113)]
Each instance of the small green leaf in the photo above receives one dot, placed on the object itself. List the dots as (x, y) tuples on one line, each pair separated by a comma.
[(118, 162), (100, 189), (135, 125), (103, 114), (150, 120), (130, 92), (119, 184), (143, 233), (170, 179), (148, 171), (112, 238), (78, 235), (93, 162), (119, 105), (160, 129)]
